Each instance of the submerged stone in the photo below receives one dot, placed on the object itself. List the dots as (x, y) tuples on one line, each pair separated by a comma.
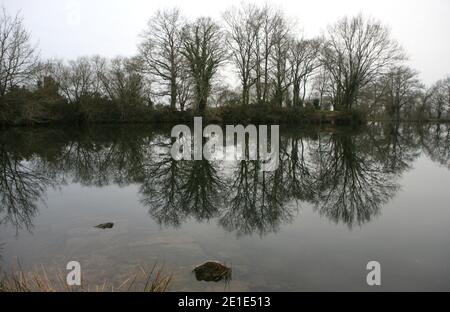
[(212, 271), (105, 226)]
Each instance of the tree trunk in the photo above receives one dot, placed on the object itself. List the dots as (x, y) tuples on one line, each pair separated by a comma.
[(296, 94), (245, 94), (173, 95)]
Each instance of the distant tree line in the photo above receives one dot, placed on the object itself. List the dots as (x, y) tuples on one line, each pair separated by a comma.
[(181, 65)]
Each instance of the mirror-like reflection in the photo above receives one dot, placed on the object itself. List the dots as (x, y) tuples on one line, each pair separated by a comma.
[(352, 184), (23, 183), (347, 175), (436, 143)]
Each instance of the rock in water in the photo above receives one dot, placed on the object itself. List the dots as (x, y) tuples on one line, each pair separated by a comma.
[(212, 271), (105, 226)]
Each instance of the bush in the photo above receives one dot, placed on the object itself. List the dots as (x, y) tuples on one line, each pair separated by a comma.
[(21, 107)]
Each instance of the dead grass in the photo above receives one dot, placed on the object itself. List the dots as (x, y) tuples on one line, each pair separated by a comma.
[(39, 280)]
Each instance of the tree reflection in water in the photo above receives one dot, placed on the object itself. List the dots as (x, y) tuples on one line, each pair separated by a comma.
[(352, 185), (436, 143), (347, 176), (21, 187)]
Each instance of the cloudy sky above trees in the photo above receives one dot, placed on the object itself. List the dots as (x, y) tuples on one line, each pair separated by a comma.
[(72, 28)]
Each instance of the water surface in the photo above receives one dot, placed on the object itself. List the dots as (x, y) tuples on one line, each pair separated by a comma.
[(339, 199)]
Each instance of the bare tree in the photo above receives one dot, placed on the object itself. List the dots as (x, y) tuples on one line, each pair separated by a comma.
[(259, 42), (356, 51), (278, 58), (402, 90), (124, 83), (265, 24), (75, 78), (204, 53), (18, 56), (303, 61), (440, 98), (424, 108), (99, 67), (323, 88), (161, 51), (184, 88), (242, 39)]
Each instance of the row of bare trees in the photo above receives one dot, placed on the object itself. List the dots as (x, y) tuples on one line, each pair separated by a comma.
[(118, 79), (184, 58), (355, 64)]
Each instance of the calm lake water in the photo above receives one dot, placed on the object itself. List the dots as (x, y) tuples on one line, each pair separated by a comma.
[(338, 200)]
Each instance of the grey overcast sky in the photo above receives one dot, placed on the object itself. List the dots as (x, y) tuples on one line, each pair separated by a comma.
[(72, 28)]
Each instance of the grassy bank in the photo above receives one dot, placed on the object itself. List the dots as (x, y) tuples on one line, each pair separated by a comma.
[(39, 280)]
